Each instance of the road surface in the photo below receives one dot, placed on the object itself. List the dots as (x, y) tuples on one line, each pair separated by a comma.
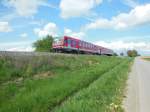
[(138, 90)]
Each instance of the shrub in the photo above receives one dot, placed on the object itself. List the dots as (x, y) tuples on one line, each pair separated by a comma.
[(132, 53)]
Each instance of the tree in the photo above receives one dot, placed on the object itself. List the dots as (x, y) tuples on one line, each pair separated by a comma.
[(44, 45), (129, 53), (132, 53)]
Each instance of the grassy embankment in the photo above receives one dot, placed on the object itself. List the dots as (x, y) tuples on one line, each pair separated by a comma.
[(148, 59), (62, 83)]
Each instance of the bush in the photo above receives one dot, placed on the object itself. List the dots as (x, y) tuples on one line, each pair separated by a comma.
[(132, 53), (44, 45)]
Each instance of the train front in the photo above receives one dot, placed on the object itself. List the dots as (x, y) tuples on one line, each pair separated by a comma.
[(58, 44)]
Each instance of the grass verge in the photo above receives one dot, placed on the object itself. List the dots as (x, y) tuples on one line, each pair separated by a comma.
[(104, 95), (71, 74)]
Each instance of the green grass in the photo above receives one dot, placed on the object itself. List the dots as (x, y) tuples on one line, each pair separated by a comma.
[(104, 95), (148, 59), (70, 75)]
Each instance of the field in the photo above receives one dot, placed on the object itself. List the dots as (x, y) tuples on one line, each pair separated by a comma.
[(62, 83)]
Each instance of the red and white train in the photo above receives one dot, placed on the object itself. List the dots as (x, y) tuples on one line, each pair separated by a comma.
[(69, 44)]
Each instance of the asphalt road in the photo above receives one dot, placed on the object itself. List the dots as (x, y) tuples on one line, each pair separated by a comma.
[(138, 90)]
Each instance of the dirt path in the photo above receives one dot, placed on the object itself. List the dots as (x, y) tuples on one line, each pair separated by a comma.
[(138, 91)]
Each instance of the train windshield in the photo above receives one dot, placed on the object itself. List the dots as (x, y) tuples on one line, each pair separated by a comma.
[(58, 41)]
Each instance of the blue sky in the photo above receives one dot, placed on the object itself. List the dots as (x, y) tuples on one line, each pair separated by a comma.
[(116, 24)]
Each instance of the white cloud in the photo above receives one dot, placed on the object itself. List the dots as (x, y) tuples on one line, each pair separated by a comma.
[(130, 3), (24, 35), (4, 27), (49, 5), (100, 23), (25, 7), (37, 22), (16, 46), (49, 29), (137, 16), (21, 48), (7, 17), (120, 45), (73, 8), (78, 35)]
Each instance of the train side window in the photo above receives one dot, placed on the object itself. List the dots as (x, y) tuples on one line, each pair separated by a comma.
[(65, 41), (69, 42), (74, 43), (83, 44), (80, 43)]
